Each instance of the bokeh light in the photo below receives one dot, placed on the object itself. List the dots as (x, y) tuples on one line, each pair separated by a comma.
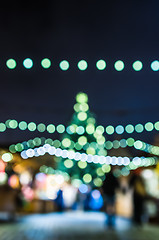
[(45, 63), (137, 65), (119, 65), (82, 65), (155, 65), (11, 63), (28, 63), (64, 65), (101, 64)]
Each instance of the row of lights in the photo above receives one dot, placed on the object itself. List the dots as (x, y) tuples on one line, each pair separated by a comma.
[(82, 64), (71, 155), (71, 129), (90, 148)]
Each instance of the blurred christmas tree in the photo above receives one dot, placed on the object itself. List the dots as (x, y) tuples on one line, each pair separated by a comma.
[(82, 135)]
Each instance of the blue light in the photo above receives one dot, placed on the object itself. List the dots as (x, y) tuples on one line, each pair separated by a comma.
[(83, 188), (119, 129), (155, 65)]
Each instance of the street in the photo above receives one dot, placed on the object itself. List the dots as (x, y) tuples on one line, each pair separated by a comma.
[(73, 225)]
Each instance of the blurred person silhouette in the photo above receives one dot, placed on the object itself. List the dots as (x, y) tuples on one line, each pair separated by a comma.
[(109, 188), (139, 196), (60, 201)]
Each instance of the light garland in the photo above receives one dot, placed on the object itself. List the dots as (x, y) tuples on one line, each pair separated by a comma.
[(82, 65), (60, 128), (58, 152)]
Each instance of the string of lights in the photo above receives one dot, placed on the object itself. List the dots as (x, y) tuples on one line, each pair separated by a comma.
[(82, 65), (72, 155), (71, 129)]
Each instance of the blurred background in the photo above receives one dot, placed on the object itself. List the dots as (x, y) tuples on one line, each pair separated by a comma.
[(78, 102)]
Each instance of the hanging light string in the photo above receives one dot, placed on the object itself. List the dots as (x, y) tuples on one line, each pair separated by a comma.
[(108, 145), (70, 154), (71, 129)]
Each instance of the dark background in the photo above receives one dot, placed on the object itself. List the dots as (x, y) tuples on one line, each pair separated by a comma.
[(75, 30)]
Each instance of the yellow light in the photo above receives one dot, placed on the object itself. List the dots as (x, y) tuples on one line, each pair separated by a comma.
[(82, 164), (91, 151), (90, 128), (106, 168), (100, 172), (66, 142), (82, 140), (98, 182), (84, 107), (82, 98), (87, 178), (82, 116), (101, 140), (68, 163)]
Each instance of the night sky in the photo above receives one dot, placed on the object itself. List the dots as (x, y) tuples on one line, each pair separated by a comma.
[(75, 30)]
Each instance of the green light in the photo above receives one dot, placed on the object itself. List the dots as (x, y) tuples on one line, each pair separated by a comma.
[(116, 144), (37, 141), (2, 127), (51, 128), (77, 107), (90, 128), (108, 145), (78, 146), (57, 143), (11, 63), (87, 178), (49, 141), (66, 142), (157, 126), (101, 140), (68, 163), (130, 142), (46, 63), (64, 65), (91, 120), (28, 63), (41, 127), (22, 125), (71, 129), (139, 128), (129, 128), (12, 148), (138, 144), (149, 126), (19, 147), (30, 143), (82, 116), (106, 168), (80, 130), (109, 129), (7, 123), (83, 107), (137, 65), (31, 126), (119, 65), (101, 64), (100, 172), (82, 65), (82, 140), (82, 97), (82, 165), (60, 128), (13, 124), (100, 129)]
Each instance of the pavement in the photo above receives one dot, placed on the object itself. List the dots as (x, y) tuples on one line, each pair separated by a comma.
[(74, 226)]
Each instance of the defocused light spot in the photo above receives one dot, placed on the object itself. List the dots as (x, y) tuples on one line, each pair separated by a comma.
[(137, 65), (64, 65), (46, 63), (109, 129), (7, 157), (82, 65), (155, 65), (22, 125), (11, 63), (28, 63), (119, 65), (101, 64), (32, 126), (60, 128)]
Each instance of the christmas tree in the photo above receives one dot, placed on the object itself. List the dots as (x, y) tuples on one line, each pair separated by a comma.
[(84, 136)]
